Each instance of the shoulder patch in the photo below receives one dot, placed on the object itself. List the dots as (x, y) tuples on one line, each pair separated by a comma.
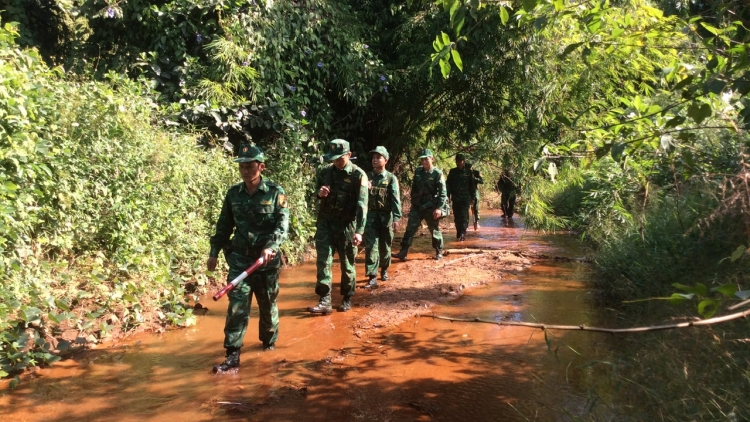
[(266, 202), (281, 200)]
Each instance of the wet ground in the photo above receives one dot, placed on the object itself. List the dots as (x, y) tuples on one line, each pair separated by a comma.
[(378, 362)]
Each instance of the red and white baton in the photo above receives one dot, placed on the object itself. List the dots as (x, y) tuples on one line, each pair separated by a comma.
[(239, 278)]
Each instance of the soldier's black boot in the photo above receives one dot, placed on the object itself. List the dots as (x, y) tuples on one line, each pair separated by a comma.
[(372, 283), (323, 306), (384, 274), (230, 362), (346, 304), (438, 254), (268, 346), (402, 253)]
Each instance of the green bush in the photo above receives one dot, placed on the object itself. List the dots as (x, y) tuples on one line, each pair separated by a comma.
[(104, 219)]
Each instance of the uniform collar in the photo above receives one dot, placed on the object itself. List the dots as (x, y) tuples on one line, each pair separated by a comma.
[(347, 168), (263, 186)]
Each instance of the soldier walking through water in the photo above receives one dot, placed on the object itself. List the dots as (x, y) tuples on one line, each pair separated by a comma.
[(507, 188), (384, 210), (342, 190), (428, 202), (478, 180), (461, 190), (255, 215)]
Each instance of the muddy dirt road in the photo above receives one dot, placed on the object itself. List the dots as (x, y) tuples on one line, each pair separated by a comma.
[(378, 362)]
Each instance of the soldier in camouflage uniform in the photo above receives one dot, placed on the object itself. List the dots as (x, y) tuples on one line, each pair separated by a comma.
[(478, 180), (255, 215), (342, 190), (508, 190), (428, 202), (461, 191), (384, 211)]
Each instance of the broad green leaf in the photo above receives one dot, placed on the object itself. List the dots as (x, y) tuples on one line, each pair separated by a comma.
[(504, 15), (569, 49), (31, 315), (457, 60), (683, 83), (710, 28), (699, 112), (727, 290), (674, 122), (603, 151), (617, 151), (3, 374), (708, 307), (653, 11), (445, 68), (446, 38), (562, 119), (737, 254), (529, 5), (715, 86)]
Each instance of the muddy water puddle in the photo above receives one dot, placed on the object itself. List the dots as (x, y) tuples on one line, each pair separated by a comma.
[(328, 368)]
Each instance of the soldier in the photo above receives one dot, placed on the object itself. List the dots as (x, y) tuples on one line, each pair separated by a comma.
[(342, 190), (507, 188), (255, 215), (384, 211), (428, 202), (478, 180), (461, 191)]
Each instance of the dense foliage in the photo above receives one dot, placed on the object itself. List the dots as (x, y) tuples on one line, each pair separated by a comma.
[(622, 120)]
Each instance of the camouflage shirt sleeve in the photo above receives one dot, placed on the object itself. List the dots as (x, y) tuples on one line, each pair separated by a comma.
[(281, 212), (322, 178), (364, 194), (224, 227), (442, 197), (449, 182), (395, 193)]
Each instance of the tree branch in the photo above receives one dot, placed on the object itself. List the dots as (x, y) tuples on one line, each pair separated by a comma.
[(583, 327)]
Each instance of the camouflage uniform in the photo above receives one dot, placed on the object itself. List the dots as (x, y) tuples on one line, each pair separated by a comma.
[(342, 214), (507, 188), (384, 209), (254, 222), (478, 180), (461, 191), (427, 195)]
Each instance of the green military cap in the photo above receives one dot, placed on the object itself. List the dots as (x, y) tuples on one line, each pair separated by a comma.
[(336, 149), (460, 157), (382, 151), (249, 153), (425, 152)]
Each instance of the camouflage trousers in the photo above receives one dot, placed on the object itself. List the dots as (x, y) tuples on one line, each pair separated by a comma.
[(378, 239), (461, 215), (264, 284), (334, 236), (415, 220), (508, 203), (475, 207)]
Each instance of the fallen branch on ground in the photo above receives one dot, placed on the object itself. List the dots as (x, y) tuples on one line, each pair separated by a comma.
[(601, 330), (459, 259)]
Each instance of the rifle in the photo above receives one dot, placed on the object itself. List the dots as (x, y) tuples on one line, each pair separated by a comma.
[(239, 278)]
